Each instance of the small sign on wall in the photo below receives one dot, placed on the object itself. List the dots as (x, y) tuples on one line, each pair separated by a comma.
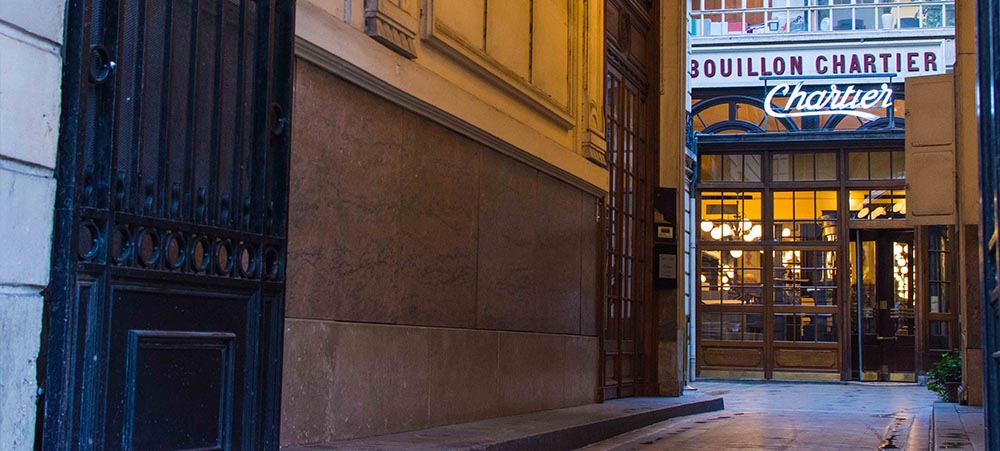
[(667, 266), (665, 232)]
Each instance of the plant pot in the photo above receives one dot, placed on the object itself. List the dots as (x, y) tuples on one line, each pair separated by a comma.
[(952, 388)]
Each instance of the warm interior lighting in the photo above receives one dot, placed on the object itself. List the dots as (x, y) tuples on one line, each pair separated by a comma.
[(863, 213), (786, 232), (716, 233), (878, 212), (706, 226), (736, 253)]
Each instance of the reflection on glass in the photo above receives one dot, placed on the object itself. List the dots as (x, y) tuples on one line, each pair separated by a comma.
[(809, 327), (940, 336), (730, 168), (731, 216), (868, 302), (877, 204), (732, 277), (880, 165), (805, 216), (732, 326), (804, 277), (939, 269)]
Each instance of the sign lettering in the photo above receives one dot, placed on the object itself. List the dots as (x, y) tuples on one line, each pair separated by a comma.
[(802, 103)]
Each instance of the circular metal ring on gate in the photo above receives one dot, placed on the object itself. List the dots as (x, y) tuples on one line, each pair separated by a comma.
[(223, 251), (88, 240), (120, 245), (201, 254), (247, 261), (101, 65), (174, 248), (148, 247)]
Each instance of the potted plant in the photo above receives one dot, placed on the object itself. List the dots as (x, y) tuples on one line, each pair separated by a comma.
[(945, 376)]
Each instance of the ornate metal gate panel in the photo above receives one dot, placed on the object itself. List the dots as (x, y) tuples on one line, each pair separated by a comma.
[(166, 301), (988, 17)]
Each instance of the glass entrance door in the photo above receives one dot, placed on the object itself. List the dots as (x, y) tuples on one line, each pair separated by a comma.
[(882, 300)]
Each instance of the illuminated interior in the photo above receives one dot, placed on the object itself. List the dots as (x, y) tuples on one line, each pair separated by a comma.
[(769, 230)]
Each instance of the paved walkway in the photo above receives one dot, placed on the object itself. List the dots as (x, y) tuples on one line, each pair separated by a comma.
[(794, 416), (958, 427), (551, 430)]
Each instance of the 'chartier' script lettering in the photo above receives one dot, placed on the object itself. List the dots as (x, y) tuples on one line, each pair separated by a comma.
[(828, 102)]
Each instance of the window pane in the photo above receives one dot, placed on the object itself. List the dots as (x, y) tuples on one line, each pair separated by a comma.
[(858, 165), (711, 168), (940, 335), (781, 167), (804, 167), (732, 277), (826, 166), (711, 327), (731, 216), (740, 326), (751, 168), (898, 165), (805, 327), (805, 277), (881, 166), (805, 215), (877, 204), (732, 168)]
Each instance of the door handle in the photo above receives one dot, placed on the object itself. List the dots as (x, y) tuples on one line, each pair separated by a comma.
[(101, 64)]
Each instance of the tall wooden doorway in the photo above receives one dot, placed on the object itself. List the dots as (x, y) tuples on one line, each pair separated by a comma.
[(631, 111), (165, 308)]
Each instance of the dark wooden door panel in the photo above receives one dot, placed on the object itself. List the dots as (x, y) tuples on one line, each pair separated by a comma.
[(166, 302), (631, 157)]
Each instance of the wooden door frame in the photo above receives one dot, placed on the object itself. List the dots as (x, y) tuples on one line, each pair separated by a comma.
[(645, 351)]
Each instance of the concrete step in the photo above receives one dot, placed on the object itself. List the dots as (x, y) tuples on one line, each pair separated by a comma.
[(550, 430)]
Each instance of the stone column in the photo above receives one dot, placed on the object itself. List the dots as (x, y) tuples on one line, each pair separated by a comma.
[(967, 140), (31, 36), (674, 103)]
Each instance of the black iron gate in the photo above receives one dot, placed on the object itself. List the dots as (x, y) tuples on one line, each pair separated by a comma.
[(165, 306), (988, 16)]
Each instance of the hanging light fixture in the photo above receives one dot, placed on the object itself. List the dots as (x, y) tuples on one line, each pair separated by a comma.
[(736, 253), (706, 226)]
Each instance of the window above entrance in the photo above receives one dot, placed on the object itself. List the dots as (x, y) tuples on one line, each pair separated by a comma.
[(755, 17)]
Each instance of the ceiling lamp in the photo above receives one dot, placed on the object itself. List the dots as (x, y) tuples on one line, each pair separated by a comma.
[(706, 226), (736, 253)]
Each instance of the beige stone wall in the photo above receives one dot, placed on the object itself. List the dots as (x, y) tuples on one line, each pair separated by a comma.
[(431, 278), (967, 153), (528, 72), (31, 36)]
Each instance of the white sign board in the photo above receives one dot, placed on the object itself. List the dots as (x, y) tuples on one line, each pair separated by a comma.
[(736, 66)]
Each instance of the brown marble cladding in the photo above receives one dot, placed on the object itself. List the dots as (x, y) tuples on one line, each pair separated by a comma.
[(395, 219), (349, 380), (431, 280)]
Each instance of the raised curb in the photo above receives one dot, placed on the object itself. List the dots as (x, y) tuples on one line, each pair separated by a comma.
[(552, 430)]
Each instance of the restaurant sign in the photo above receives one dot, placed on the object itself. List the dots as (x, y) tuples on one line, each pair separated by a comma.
[(736, 66), (846, 101)]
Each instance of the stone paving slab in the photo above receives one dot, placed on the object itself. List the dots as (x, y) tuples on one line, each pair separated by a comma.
[(551, 430), (783, 416), (958, 427)]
